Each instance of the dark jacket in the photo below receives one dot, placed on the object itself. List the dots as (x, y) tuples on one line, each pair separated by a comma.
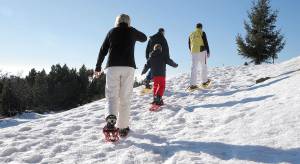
[(206, 47), (157, 38), (157, 62), (120, 42)]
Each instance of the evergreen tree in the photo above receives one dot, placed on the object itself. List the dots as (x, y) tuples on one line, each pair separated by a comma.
[(40, 93), (96, 89), (84, 83), (64, 88), (31, 77), (262, 42)]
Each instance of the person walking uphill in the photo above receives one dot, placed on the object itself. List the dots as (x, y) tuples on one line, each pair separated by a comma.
[(158, 38), (199, 49), (157, 62), (119, 42)]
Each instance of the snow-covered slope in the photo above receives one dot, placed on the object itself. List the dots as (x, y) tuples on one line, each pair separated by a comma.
[(236, 121)]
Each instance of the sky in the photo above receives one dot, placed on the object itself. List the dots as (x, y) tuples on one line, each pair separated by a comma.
[(40, 33)]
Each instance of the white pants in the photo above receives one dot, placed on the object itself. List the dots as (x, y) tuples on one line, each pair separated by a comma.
[(118, 92), (199, 58)]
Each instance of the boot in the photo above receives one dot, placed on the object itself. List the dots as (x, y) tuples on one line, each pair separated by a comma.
[(192, 87), (111, 121), (147, 84), (124, 132), (110, 131), (159, 100), (154, 100)]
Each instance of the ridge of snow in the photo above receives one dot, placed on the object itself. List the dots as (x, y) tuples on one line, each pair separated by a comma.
[(236, 121)]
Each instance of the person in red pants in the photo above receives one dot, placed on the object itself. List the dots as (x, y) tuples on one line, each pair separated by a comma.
[(157, 62)]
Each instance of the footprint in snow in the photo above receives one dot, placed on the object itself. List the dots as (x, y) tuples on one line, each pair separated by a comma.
[(53, 124), (231, 118), (9, 151), (49, 131), (79, 115), (33, 159), (21, 137), (25, 129), (27, 147), (87, 127), (59, 149), (70, 130)]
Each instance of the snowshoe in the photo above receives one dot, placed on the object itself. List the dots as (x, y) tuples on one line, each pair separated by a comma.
[(155, 108), (156, 104), (146, 91), (206, 84), (124, 132), (193, 88), (110, 132)]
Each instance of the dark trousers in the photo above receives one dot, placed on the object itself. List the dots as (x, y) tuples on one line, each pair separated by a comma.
[(149, 75)]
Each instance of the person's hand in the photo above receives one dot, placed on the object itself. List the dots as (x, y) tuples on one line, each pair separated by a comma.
[(176, 66), (208, 55), (97, 74)]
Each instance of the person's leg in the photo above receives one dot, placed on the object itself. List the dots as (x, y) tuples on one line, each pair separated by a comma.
[(148, 79), (162, 85), (203, 65), (149, 75), (112, 88), (155, 88), (126, 88), (194, 69)]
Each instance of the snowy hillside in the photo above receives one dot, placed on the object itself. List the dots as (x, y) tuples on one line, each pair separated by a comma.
[(236, 121)]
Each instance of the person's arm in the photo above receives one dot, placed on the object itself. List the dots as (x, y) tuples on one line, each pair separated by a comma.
[(149, 48), (170, 62), (102, 53), (189, 44), (205, 43), (165, 47), (146, 67), (139, 36)]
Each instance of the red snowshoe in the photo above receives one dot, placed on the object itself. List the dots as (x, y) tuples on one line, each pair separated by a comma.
[(110, 132)]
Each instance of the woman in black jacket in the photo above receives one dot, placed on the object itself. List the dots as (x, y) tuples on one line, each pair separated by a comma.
[(119, 44)]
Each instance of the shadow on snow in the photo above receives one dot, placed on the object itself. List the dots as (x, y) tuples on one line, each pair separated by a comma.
[(222, 151), (230, 103)]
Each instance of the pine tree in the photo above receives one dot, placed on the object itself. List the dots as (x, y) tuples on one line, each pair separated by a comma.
[(262, 42), (40, 93), (84, 83)]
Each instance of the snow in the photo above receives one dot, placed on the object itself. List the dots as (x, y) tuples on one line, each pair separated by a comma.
[(236, 121)]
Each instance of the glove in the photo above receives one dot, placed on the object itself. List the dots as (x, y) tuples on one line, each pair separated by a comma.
[(144, 71), (176, 65), (97, 74), (98, 69)]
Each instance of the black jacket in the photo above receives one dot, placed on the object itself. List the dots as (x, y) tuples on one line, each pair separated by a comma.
[(120, 42), (157, 62), (206, 47), (157, 38)]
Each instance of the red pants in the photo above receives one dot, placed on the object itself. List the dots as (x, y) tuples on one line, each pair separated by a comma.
[(159, 85)]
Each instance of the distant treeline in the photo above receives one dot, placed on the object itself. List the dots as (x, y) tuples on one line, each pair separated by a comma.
[(62, 89)]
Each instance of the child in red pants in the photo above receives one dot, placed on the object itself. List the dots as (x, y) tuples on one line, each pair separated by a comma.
[(157, 62)]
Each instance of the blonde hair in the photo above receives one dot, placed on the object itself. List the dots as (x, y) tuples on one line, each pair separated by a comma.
[(157, 47), (122, 18)]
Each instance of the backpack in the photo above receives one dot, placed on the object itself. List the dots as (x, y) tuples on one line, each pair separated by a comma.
[(196, 41)]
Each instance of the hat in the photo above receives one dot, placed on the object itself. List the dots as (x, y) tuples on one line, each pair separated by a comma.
[(199, 25), (122, 18), (161, 30)]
